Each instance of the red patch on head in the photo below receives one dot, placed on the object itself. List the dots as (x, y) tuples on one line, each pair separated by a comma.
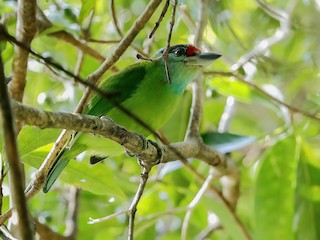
[(192, 50)]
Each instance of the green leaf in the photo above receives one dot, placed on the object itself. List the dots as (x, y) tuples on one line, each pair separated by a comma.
[(34, 144), (86, 8), (226, 142), (275, 189), (230, 87), (98, 178), (307, 197)]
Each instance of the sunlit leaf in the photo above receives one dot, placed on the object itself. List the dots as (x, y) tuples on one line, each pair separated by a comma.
[(231, 87), (275, 189), (307, 198)]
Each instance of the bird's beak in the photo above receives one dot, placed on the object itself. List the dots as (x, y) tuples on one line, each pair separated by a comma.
[(201, 59)]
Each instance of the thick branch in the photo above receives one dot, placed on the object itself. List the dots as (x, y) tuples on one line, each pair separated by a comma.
[(26, 29), (107, 128)]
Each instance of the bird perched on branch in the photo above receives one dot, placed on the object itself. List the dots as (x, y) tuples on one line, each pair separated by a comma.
[(144, 90)]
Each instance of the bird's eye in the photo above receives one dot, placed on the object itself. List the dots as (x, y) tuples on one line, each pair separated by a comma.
[(179, 52)]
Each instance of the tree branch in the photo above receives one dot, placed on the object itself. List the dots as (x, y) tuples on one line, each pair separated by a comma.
[(107, 128), (133, 208), (15, 171), (197, 96), (26, 29)]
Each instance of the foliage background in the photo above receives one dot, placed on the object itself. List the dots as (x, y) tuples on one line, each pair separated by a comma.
[(280, 180)]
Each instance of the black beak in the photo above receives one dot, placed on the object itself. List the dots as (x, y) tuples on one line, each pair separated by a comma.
[(209, 56), (202, 59)]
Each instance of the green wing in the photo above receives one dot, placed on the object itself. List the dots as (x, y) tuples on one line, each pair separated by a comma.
[(123, 84)]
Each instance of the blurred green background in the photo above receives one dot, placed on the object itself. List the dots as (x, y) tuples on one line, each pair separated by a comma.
[(280, 180)]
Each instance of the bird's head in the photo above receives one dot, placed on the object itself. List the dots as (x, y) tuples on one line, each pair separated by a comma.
[(189, 55)]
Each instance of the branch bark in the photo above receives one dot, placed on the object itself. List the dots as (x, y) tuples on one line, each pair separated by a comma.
[(26, 29)]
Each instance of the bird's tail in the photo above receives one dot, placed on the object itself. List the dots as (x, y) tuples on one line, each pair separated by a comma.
[(55, 171)]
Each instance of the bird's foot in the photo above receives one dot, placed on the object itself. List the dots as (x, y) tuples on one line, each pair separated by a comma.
[(144, 145), (159, 152)]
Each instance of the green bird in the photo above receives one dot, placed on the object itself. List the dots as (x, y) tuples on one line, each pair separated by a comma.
[(144, 90)]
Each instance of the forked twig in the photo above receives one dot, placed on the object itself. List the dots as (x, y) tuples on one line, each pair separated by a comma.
[(163, 13)]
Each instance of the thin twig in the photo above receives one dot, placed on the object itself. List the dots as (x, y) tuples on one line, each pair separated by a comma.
[(109, 217), (193, 203), (133, 208), (314, 116), (163, 13), (166, 52), (103, 41), (115, 19)]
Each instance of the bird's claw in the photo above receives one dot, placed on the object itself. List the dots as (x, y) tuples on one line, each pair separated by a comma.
[(159, 151), (105, 118), (144, 145), (128, 153)]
